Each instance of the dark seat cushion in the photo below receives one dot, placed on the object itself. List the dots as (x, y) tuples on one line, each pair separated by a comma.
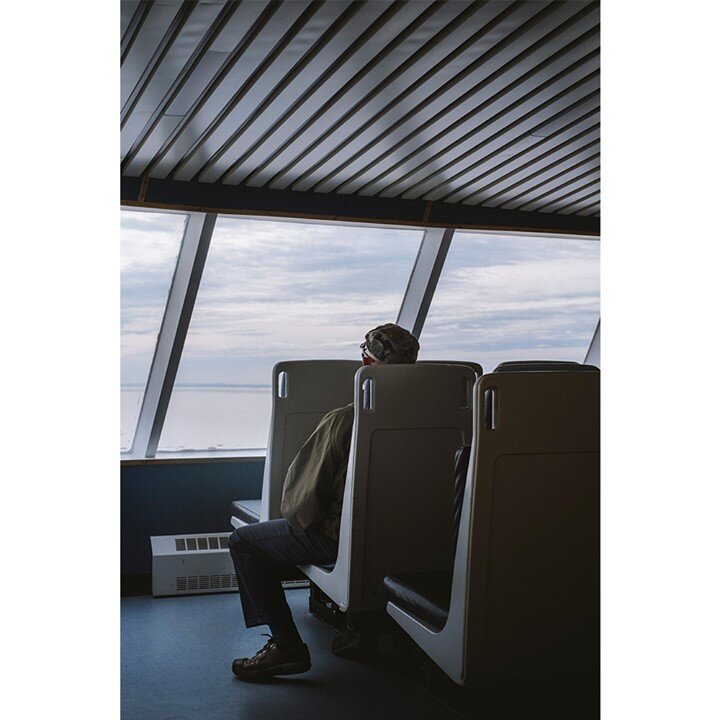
[(424, 594), (246, 510)]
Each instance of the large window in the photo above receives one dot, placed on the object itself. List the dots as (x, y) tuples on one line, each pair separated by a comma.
[(512, 297), (149, 247), (273, 291)]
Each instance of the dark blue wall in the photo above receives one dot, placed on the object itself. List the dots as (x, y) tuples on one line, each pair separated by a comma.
[(179, 498)]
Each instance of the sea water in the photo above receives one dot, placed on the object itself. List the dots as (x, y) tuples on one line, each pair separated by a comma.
[(205, 418)]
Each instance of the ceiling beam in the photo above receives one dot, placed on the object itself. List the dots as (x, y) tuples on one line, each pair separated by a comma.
[(242, 200)]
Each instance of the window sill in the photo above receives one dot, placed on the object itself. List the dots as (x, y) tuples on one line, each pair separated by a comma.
[(195, 456)]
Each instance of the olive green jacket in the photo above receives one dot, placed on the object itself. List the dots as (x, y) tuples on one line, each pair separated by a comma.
[(315, 481)]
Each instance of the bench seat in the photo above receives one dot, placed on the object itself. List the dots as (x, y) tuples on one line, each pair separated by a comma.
[(246, 510), (424, 594)]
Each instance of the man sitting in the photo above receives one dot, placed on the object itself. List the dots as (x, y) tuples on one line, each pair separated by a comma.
[(308, 533)]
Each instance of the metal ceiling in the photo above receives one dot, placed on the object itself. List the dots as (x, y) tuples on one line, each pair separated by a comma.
[(492, 105)]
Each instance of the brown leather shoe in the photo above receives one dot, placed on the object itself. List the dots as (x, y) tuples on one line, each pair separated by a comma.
[(273, 660)]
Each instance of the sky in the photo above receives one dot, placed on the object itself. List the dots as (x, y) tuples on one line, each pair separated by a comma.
[(149, 247), (274, 290), (513, 298)]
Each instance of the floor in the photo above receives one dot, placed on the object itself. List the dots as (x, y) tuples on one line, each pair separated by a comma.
[(177, 652)]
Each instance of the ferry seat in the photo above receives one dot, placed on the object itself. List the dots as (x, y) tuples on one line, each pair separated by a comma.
[(522, 599), (304, 391), (396, 517)]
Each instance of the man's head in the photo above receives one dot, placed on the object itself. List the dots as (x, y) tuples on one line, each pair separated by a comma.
[(389, 344)]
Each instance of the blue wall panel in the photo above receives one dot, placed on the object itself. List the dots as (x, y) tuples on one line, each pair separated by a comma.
[(177, 499)]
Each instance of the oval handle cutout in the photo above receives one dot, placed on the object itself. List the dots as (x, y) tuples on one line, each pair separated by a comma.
[(368, 394), (282, 388), (491, 408)]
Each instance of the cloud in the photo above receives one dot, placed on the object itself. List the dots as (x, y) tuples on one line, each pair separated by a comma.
[(150, 242), (513, 298)]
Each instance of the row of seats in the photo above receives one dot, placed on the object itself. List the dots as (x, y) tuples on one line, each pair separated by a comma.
[(304, 391), (492, 569), (522, 598)]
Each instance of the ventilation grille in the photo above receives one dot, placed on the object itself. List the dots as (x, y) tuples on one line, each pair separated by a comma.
[(214, 542), (206, 582)]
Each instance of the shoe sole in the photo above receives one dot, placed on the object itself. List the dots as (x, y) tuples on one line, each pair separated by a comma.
[(286, 669)]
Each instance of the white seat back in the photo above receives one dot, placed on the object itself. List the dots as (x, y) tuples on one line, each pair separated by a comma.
[(303, 392), (397, 509)]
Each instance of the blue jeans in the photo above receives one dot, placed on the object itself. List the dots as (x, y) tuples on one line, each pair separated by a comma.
[(262, 554)]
